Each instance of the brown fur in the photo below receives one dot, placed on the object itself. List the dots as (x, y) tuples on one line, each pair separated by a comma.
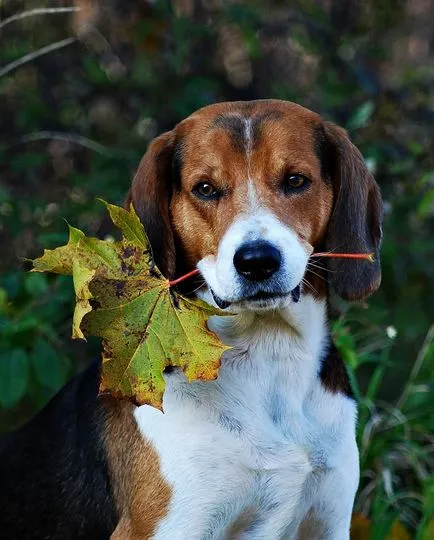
[(141, 493)]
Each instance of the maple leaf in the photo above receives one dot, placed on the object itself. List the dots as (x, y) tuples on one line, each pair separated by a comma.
[(122, 297)]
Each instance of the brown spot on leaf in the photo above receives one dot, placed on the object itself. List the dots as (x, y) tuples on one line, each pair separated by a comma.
[(119, 288), (129, 251), (94, 303), (127, 269), (153, 271)]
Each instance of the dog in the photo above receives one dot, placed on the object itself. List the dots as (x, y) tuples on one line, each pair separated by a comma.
[(245, 192)]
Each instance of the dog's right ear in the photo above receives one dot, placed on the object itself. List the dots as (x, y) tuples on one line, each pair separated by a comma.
[(355, 225), (150, 194)]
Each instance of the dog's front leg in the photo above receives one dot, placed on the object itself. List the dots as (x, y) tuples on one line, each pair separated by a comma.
[(330, 516)]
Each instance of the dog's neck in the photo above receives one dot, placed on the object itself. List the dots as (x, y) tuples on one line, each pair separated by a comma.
[(303, 324), (289, 341), (281, 348)]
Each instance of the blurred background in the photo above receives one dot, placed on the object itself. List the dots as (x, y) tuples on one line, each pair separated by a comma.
[(86, 84)]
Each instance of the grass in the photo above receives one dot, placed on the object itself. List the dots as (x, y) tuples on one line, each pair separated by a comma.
[(395, 438)]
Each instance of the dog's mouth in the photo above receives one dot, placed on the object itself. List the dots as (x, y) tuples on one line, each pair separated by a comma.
[(260, 297)]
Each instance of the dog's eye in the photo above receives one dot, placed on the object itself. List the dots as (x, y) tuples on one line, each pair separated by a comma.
[(205, 190), (294, 182)]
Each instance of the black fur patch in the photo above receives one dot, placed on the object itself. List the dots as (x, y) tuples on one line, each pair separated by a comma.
[(177, 164), (54, 478), (334, 374), (236, 125), (325, 152)]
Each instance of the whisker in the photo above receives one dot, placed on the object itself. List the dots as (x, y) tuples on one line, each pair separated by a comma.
[(318, 275), (198, 287), (319, 267), (309, 285), (333, 250)]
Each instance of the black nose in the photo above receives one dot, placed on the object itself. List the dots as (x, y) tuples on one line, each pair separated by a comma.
[(257, 261)]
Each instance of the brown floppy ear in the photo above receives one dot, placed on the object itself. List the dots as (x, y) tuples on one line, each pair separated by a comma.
[(150, 194), (355, 224)]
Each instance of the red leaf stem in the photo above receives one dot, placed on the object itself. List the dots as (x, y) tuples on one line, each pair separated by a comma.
[(363, 256)]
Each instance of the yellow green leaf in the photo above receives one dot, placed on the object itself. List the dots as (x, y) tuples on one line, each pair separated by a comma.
[(428, 533), (398, 532), (123, 298), (360, 527), (82, 277)]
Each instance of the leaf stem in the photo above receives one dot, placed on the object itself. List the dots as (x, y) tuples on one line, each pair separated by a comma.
[(174, 282), (364, 256)]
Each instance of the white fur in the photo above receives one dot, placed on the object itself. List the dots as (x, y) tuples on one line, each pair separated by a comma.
[(265, 449), (265, 439)]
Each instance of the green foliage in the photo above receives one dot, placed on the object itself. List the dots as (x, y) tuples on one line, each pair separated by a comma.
[(14, 375), (76, 121), (34, 362), (395, 439)]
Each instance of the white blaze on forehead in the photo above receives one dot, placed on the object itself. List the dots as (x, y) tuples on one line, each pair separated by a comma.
[(248, 136), (252, 199), (253, 205)]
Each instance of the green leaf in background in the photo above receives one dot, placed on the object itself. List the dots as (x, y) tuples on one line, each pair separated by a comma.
[(3, 300), (426, 205), (428, 533), (49, 369), (36, 284), (14, 376), (361, 116), (426, 528)]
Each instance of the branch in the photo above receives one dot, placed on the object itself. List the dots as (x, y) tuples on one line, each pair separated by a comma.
[(35, 54), (36, 11), (68, 137)]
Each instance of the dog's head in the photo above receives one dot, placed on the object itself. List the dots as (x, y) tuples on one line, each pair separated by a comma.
[(247, 191)]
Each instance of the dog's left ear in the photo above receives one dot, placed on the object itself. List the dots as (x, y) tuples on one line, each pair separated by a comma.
[(355, 224), (150, 195)]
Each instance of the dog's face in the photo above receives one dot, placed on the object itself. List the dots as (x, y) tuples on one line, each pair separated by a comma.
[(247, 191), (252, 202)]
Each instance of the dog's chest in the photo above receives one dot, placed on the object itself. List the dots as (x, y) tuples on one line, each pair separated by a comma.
[(244, 449)]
